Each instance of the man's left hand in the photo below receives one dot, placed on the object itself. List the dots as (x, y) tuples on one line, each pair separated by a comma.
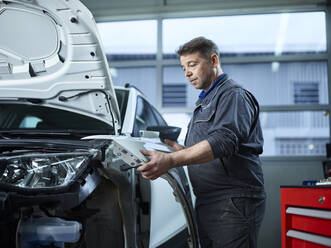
[(159, 164)]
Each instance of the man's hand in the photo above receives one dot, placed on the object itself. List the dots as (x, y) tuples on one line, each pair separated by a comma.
[(175, 146), (159, 164)]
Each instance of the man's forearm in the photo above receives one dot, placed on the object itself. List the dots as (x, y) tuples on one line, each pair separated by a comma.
[(199, 153)]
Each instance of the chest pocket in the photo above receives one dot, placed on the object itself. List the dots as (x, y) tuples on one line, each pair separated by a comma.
[(204, 115), (202, 121)]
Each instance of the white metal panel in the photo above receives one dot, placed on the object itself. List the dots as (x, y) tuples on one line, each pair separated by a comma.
[(127, 126), (50, 49), (167, 216)]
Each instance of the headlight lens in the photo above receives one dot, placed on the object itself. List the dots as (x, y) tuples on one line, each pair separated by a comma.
[(41, 170)]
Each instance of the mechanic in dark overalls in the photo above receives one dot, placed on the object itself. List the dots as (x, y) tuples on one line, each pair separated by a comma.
[(223, 144)]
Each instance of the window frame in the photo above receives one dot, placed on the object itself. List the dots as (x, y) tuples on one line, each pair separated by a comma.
[(160, 62)]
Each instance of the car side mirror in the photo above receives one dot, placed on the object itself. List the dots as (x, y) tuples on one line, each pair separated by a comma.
[(166, 132)]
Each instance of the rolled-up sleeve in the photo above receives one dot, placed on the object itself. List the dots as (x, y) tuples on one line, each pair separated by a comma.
[(234, 116)]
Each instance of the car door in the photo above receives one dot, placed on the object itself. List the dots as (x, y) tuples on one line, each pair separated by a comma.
[(167, 215)]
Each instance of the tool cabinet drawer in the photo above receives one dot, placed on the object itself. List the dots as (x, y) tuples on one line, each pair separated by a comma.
[(302, 239), (306, 217), (315, 221)]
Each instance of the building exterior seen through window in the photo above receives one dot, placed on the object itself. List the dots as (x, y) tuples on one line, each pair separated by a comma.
[(306, 92), (295, 132), (290, 83), (174, 95)]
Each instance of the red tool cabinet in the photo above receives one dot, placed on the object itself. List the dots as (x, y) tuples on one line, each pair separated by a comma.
[(306, 216)]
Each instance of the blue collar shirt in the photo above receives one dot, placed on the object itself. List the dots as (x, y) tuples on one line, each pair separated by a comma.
[(203, 93)]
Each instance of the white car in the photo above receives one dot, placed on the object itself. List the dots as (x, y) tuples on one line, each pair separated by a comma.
[(61, 182)]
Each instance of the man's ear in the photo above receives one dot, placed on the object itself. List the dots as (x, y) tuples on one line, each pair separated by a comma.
[(214, 59)]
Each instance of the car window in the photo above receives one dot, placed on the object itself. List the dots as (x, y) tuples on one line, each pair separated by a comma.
[(30, 122), (159, 118), (144, 117), (20, 116), (122, 101)]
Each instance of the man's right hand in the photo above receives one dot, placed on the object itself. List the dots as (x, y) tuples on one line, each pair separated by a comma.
[(174, 146)]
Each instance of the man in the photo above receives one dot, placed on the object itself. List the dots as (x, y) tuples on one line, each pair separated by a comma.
[(223, 141)]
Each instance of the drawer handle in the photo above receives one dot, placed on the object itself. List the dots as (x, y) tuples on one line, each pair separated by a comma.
[(317, 239), (316, 213)]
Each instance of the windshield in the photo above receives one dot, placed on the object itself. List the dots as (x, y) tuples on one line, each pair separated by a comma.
[(33, 117)]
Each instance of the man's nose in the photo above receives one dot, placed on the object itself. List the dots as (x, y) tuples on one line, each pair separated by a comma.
[(188, 73)]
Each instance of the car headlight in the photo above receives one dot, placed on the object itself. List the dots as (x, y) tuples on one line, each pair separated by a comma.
[(41, 170)]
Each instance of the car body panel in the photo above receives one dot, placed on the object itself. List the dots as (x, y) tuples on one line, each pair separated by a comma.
[(128, 123), (169, 213), (52, 52), (167, 219)]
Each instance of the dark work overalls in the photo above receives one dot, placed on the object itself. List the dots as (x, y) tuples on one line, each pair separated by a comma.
[(230, 189)]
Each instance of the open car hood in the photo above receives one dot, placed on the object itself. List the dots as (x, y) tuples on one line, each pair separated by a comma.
[(51, 54)]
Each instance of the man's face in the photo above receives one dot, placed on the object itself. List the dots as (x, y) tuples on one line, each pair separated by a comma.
[(199, 71)]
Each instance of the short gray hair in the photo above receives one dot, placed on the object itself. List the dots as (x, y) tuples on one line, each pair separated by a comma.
[(200, 44)]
